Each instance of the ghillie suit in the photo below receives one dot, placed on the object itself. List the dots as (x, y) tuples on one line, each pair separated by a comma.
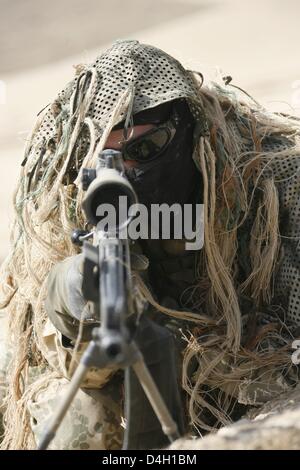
[(243, 305)]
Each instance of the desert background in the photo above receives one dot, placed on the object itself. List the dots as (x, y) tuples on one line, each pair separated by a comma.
[(256, 42)]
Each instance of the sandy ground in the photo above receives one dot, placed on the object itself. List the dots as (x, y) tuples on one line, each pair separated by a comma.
[(256, 42)]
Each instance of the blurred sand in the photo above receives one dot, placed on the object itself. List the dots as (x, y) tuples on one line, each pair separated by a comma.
[(253, 41)]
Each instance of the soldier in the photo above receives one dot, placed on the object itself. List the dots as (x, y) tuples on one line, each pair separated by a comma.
[(233, 306)]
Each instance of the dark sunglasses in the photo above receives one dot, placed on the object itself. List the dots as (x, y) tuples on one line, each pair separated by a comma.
[(150, 145)]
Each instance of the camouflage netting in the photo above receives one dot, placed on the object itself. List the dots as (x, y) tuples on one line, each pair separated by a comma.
[(246, 304)]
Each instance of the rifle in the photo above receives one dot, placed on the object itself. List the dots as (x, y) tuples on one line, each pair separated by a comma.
[(115, 341)]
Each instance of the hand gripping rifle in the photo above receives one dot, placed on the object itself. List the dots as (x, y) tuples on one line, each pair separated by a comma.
[(111, 295)]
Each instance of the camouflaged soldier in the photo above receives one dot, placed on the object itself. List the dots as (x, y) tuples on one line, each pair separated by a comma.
[(233, 306)]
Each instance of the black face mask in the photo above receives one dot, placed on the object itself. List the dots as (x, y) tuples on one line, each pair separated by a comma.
[(171, 177)]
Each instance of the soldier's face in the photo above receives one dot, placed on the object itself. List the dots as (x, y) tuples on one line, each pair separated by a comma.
[(115, 139)]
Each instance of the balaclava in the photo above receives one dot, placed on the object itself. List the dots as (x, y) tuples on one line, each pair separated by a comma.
[(171, 177)]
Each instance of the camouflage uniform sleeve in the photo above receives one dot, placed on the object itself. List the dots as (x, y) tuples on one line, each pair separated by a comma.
[(65, 305)]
